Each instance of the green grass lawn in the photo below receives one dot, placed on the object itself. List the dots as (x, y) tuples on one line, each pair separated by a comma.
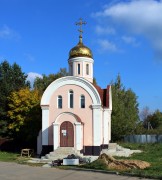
[(152, 153), (15, 157), (8, 157)]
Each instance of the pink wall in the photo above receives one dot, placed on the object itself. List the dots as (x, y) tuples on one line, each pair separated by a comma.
[(85, 114)]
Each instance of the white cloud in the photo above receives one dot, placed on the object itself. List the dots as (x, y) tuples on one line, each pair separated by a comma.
[(102, 31), (130, 40), (8, 33), (106, 45), (32, 76), (138, 17)]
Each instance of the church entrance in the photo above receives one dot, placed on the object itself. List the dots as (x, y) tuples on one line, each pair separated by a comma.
[(66, 134)]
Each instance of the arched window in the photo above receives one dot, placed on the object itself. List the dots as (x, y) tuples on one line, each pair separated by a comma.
[(59, 102), (82, 101), (78, 68), (71, 99), (87, 69)]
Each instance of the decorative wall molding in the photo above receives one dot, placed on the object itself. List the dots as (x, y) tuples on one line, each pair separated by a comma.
[(78, 120), (81, 59), (71, 80)]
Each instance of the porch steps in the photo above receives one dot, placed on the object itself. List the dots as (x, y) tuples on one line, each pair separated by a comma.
[(116, 150), (61, 152), (112, 145), (111, 149)]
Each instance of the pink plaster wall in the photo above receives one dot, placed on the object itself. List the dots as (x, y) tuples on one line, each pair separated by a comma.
[(85, 114)]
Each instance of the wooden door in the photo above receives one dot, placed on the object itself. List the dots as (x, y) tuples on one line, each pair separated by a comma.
[(66, 134)]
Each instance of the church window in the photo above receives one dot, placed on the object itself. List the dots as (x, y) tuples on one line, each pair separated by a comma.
[(82, 101), (71, 99), (87, 69), (78, 68), (59, 102)]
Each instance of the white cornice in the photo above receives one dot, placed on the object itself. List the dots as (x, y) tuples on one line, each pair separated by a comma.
[(78, 59), (45, 107), (70, 80), (69, 113)]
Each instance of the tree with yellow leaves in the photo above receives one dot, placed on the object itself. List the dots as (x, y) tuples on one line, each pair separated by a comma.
[(24, 114)]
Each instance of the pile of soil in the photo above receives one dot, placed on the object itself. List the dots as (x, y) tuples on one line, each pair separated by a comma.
[(112, 163)]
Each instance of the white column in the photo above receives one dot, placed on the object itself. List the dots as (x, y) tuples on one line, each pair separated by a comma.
[(109, 122), (55, 135), (83, 70), (106, 116), (45, 124), (92, 71), (97, 125), (107, 126), (74, 69), (78, 136), (69, 69)]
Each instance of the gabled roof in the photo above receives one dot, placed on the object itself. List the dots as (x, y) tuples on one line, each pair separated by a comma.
[(104, 95)]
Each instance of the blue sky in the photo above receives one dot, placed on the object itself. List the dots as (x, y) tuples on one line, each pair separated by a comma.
[(124, 36)]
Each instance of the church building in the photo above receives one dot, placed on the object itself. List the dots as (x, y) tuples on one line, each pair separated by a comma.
[(75, 112)]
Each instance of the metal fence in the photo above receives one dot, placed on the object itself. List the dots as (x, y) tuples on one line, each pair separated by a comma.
[(144, 138)]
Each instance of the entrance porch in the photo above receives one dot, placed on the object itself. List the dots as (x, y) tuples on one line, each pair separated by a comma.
[(67, 133)]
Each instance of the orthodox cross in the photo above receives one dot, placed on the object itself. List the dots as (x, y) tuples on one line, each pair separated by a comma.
[(80, 23)]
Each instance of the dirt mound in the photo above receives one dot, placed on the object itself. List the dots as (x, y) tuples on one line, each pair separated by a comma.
[(123, 164)]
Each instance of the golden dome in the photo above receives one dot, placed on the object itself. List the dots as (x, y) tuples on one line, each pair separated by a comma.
[(80, 50)]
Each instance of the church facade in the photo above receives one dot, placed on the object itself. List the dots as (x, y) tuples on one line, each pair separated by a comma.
[(75, 112)]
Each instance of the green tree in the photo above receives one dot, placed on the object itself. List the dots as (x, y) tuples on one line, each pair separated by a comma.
[(11, 79), (153, 121), (94, 81), (42, 83), (124, 110), (24, 114)]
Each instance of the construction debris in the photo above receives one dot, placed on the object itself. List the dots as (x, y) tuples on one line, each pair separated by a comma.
[(112, 163)]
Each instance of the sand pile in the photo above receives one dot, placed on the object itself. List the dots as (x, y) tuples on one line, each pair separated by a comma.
[(123, 164)]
